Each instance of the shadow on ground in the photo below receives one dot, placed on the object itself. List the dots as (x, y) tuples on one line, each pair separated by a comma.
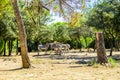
[(77, 59), (73, 58), (11, 69)]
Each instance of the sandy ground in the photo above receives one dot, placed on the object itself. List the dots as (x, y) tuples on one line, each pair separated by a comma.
[(71, 66)]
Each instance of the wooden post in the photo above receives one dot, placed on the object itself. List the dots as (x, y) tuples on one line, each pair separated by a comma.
[(101, 53)]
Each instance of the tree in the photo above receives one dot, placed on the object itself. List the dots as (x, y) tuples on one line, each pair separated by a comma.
[(102, 57), (22, 33), (61, 33), (105, 16), (3, 37), (63, 8)]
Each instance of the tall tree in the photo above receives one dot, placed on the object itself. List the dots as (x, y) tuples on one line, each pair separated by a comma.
[(105, 16), (23, 42)]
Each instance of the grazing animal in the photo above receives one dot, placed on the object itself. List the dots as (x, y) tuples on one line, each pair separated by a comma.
[(65, 47), (56, 46), (59, 48), (43, 47)]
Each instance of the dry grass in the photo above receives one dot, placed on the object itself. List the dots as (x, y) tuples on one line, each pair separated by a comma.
[(54, 67)]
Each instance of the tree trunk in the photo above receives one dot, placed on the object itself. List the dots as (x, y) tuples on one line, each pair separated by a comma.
[(111, 48), (17, 47), (22, 33), (4, 48), (94, 46), (9, 46), (117, 45), (101, 53)]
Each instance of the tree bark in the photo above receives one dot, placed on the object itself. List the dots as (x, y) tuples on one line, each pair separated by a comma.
[(101, 53), (22, 33)]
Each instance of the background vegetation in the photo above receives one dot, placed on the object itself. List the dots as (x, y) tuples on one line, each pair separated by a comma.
[(78, 30)]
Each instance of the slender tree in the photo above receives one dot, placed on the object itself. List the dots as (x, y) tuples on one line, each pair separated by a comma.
[(22, 33)]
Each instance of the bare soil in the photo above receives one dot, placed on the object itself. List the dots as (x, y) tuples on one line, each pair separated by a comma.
[(70, 66)]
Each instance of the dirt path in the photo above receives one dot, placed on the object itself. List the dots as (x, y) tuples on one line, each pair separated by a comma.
[(53, 67)]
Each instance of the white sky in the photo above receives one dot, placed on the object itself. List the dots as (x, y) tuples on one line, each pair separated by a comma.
[(58, 19)]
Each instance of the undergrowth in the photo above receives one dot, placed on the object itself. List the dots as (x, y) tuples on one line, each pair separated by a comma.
[(111, 63)]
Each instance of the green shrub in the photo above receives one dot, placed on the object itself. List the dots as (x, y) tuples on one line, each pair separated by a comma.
[(113, 62), (1, 45)]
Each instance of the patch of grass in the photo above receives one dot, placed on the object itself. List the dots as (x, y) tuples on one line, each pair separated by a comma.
[(113, 62)]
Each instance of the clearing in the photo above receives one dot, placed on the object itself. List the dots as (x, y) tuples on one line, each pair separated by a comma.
[(71, 66)]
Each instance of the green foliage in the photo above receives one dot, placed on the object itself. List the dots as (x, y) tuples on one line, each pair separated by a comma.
[(36, 18), (105, 17), (89, 40), (76, 19), (1, 45), (113, 62), (3, 4), (3, 29), (36, 23), (61, 31), (85, 41), (82, 40)]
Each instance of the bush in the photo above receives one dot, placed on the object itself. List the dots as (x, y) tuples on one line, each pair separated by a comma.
[(113, 62)]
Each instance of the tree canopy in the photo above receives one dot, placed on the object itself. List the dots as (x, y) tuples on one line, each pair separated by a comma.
[(80, 18)]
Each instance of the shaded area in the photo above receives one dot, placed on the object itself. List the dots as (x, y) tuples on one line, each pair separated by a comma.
[(68, 58), (116, 57), (73, 58), (12, 69), (10, 63)]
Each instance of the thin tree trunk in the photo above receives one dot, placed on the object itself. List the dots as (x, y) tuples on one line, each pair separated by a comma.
[(4, 48), (17, 47), (22, 33), (117, 45), (9, 46), (94, 46), (101, 53), (111, 48)]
